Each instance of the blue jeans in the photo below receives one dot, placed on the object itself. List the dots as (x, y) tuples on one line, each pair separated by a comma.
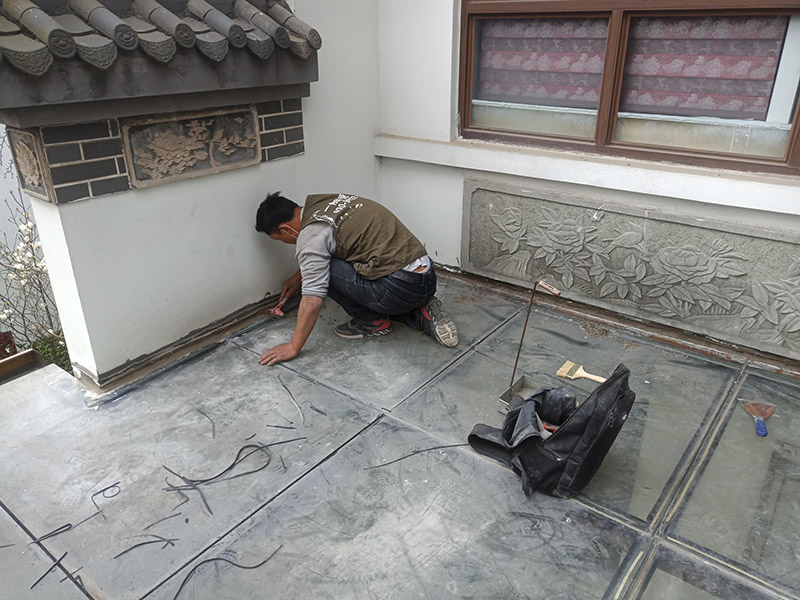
[(399, 295)]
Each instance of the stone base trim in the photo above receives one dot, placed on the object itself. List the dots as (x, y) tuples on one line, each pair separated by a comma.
[(732, 282)]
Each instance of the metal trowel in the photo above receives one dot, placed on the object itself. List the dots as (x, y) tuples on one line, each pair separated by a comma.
[(760, 411)]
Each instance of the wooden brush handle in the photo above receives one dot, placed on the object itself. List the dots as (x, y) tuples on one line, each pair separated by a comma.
[(596, 378), (585, 375)]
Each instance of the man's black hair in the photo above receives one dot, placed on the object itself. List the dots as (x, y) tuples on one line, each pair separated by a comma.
[(274, 211)]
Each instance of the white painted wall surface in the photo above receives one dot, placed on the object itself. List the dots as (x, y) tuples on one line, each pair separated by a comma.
[(62, 280), (427, 198), (8, 184), (138, 270), (416, 64)]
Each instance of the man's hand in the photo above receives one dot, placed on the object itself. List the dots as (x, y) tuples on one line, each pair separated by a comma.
[(278, 354), (292, 285), (307, 315)]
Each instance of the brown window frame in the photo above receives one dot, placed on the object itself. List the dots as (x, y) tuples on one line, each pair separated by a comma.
[(619, 14)]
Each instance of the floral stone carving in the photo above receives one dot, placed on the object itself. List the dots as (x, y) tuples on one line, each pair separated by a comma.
[(739, 286), (190, 145), (33, 177)]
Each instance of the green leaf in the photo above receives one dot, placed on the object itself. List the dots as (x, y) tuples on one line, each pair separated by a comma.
[(582, 273), (622, 291), (748, 312), (567, 279), (540, 253)]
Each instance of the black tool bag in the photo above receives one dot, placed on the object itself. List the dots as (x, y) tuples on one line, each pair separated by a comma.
[(563, 462)]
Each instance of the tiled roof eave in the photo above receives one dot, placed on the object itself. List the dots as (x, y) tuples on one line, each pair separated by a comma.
[(94, 35), (137, 84)]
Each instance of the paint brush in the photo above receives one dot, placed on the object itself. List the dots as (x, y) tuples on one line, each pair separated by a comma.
[(569, 370), (760, 411), (276, 310)]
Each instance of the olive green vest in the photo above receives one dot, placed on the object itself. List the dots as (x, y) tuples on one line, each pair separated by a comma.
[(367, 234)]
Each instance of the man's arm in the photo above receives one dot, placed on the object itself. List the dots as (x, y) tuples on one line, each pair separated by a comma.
[(307, 316), (315, 245)]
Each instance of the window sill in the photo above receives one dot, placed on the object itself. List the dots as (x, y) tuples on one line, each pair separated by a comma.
[(747, 190)]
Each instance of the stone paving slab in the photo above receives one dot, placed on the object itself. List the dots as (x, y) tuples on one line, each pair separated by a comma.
[(746, 501), (383, 371), (439, 524), (675, 574), (195, 420), (675, 391), (34, 403), (23, 563)]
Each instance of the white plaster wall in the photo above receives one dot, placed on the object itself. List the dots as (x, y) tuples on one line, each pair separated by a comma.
[(427, 198), (8, 184), (420, 149), (416, 64), (139, 270), (62, 280)]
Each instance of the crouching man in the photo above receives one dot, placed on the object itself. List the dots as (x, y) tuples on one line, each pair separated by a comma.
[(359, 254)]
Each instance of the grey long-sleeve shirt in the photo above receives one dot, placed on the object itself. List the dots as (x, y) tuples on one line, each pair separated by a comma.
[(315, 247)]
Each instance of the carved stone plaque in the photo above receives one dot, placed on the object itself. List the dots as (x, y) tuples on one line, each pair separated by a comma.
[(731, 282), (32, 170), (190, 145)]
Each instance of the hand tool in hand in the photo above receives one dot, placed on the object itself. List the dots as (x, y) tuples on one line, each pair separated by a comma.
[(569, 370), (276, 310), (546, 287), (760, 412)]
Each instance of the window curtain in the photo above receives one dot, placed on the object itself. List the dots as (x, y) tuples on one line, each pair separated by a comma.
[(551, 62), (707, 66)]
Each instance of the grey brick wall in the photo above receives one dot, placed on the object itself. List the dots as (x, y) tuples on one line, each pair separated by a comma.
[(85, 160), (281, 128)]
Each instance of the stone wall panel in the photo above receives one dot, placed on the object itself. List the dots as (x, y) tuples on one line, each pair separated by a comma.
[(728, 281)]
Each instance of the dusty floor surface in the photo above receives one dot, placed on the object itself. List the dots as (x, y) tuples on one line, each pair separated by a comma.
[(348, 481)]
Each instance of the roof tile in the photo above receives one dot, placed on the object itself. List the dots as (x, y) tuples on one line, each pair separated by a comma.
[(94, 30)]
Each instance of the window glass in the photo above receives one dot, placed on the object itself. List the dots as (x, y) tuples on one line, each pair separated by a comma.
[(724, 84), (539, 75)]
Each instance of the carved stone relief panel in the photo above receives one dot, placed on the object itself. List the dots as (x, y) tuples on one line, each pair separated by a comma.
[(731, 282), (32, 170), (190, 145)]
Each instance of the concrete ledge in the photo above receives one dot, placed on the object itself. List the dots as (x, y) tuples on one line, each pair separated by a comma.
[(744, 190)]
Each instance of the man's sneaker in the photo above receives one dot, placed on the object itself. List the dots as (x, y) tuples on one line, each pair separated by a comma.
[(356, 330), (437, 324)]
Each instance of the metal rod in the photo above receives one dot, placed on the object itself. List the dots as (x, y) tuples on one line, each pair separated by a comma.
[(554, 292), (522, 337)]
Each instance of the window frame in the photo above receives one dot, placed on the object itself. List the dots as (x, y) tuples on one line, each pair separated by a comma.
[(619, 14)]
